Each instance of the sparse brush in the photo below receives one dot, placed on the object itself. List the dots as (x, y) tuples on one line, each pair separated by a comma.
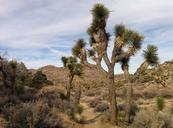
[(79, 109), (160, 103)]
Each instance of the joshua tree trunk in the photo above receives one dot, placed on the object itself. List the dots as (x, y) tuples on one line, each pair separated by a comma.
[(13, 80), (69, 87), (141, 69), (129, 91), (77, 95), (113, 102), (4, 77)]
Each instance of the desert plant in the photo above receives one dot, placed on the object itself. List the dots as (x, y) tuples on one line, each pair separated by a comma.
[(32, 115), (79, 109), (160, 103), (40, 79), (74, 68), (121, 115), (99, 39), (101, 107), (79, 51), (152, 119), (151, 59)]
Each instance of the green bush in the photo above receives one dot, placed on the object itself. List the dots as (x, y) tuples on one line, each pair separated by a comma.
[(121, 115), (79, 109), (160, 103), (40, 79)]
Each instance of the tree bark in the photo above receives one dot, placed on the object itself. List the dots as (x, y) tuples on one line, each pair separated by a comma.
[(129, 91), (69, 87), (77, 95), (113, 102), (13, 80)]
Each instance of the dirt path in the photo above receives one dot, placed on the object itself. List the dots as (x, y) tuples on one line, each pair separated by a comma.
[(92, 119)]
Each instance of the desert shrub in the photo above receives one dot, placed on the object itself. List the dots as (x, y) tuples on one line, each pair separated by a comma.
[(171, 110), (93, 103), (19, 89), (146, 78), (36, 114), (28, 96), (79, 109), (121, 107), (101, 107), (121, 115), (160, 103), (53, 120), (54, 97), (40, 79), (149, 94), (152, 119)]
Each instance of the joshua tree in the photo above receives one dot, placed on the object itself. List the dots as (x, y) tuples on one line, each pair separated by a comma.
[(151, 59), (13, 65), (79, 51), (74, 68), (99, 43), (4, 74)]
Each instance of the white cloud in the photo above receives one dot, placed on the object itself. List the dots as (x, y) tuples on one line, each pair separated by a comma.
[(28, 27)]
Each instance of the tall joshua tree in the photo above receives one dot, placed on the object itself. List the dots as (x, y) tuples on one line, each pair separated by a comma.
[(99, 43), (79, 51), (74, 68), (13, 65), (151, 59), (4, 73)]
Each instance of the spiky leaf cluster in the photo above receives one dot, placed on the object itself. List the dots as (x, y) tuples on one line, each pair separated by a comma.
[(13, 64), (119, 30), (71, 63), (133, 39), (76, 50), (91, 52), (151, 55), (100, 14)]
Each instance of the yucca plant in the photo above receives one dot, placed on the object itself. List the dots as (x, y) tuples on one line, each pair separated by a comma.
[(150, 59), (99, 39), (79, 50), (13, 65), (160, 103), (74, 68)]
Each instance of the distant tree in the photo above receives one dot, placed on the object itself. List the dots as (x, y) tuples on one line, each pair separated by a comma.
[(74, 68), (40, 79), (3, 71), (79, 51), (99, 40), (13, 65)]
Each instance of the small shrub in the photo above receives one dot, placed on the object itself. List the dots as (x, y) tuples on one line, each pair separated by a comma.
[(152, 119), (121, 115), (101, 107), (93, 103), (160, 103), (36, 114), (79, 109), (40, 79)]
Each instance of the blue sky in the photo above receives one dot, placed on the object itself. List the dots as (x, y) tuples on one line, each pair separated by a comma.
[(39, 32)]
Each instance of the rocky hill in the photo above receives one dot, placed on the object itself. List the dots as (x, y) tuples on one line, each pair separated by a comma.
[(92, 77)]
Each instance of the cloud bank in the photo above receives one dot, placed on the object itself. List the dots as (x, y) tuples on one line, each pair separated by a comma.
[(39, 32)]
